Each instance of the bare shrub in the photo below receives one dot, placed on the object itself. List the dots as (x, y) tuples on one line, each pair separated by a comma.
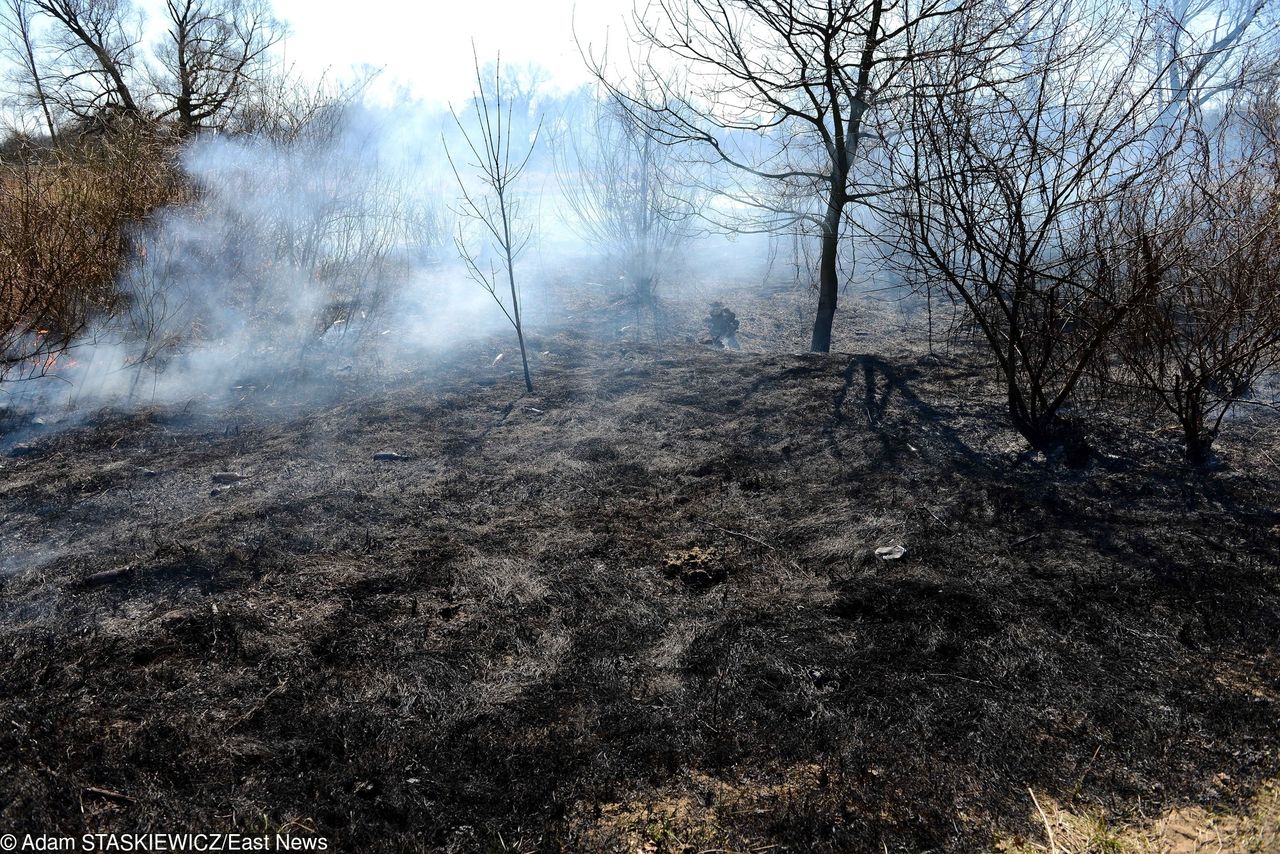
[(1013, 176), (66, 214), (1208, 326), (284, 108), (625, 192), (491, 202)]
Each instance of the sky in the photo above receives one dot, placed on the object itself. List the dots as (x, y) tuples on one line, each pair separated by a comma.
[(425, 47)]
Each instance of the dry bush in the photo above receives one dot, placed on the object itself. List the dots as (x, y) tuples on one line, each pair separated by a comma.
[(65, 217), (285, 108), (1209, 326)]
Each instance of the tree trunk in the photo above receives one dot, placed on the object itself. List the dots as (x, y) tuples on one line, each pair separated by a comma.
[(515, 295), (186, 116), (1052, 435), (1199, 449), (1197, 439), (23, 21), (828, 272)]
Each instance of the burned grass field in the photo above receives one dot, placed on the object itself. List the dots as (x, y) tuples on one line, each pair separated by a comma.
[(638, 609)]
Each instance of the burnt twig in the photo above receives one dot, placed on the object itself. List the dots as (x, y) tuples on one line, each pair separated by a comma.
[(749, 538), (109, 795)]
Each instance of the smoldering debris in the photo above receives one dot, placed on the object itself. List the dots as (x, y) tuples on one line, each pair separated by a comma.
[(722, 327)]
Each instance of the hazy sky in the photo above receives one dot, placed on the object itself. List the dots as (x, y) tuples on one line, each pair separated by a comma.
[(426, 46)]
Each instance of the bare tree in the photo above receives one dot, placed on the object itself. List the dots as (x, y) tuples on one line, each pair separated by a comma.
[(213, 53), (791, 96), (96, 44), (92, 61), (21, 45), (1205, 48), (626, 194), (497, 165)]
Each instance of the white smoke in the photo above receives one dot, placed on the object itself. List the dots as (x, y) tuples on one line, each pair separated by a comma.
[(328, 253), (305, 257)]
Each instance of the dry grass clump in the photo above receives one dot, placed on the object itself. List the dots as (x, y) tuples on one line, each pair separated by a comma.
[(1182, 830), (66, 215), (696, 811), (695, 566)]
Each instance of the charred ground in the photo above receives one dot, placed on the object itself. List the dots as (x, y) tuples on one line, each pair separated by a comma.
[(640, 607)]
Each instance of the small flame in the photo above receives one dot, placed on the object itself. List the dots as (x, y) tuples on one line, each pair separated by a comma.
[(45, 364)]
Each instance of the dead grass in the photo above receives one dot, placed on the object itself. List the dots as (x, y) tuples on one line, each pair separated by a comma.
[(65, 219), (1253, 829)]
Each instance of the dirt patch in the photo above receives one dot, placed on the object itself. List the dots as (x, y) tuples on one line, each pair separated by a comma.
[(697, 567)]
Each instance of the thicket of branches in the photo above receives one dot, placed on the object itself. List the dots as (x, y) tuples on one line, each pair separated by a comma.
[(66, 216), (1091, 208), (1206, 326), (1011, 174)]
